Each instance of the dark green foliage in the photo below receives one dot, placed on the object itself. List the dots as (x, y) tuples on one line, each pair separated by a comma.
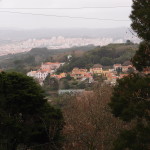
[(24, 62), (107, 56), (25, 116), (68, 77), (134, 139), (130, 98), (141, 18), (141, 60), (130, 70), (106, 61), (64, 84), (82, 85), (51, 83), (131, 101)]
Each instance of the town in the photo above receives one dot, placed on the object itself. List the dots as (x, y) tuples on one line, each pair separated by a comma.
[(53, 43), (110, 75)]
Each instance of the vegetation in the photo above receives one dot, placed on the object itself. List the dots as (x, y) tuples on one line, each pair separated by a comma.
[(131, 101), (89, 122), (74, 84), (51, 83), (25, 62), (141, 25), (131, 97), (141, 60), (107, 56), (26, 119), (141, 18)]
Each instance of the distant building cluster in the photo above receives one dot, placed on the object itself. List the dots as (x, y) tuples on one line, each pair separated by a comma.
[(111, 75), (117, 72), (53, 43), (44, 70)]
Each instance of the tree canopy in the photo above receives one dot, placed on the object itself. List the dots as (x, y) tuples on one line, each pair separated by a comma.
[(140, 17), (141, 59), (131, 103), (26, 118), (106, 56), (131, 97)]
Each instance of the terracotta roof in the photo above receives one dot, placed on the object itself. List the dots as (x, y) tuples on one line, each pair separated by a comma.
[(43, 71), (123, 75), (52, 63), (97, 66), (117, 64), (34, 72)]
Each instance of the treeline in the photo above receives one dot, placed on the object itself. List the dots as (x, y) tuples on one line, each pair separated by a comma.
[(107, 56), (23, 62)]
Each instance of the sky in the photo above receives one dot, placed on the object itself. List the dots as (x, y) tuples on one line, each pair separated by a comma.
[(54, 18)]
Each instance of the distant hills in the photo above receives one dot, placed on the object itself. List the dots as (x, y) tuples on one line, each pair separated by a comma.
[(23, 62), (9, 35), (106, 56), (82, 57)]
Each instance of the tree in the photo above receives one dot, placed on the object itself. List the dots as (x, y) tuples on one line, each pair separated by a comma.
[(51, 83), (26, 119), (107, 61), (136, 139), (141, 60), (68, 77), (140, 17), (118, 70), (141, 25), (89, 123), (131, 103), (64, 84), (131, 97)]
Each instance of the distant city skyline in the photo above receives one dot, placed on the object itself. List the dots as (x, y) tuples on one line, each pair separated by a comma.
[(63, 15)]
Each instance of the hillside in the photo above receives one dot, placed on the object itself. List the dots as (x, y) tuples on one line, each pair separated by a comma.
[(24, 62), (106, 56)]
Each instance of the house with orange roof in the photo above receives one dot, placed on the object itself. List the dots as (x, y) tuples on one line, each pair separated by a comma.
[(81, 74), (116, 66), (126, 68), (51, 66), (122, 76), (106, 72), (78, 73), (31, 74), (146, 71), (97, 71), (60, 76)]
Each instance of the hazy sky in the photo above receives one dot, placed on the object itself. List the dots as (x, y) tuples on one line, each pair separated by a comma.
[(28, 21)]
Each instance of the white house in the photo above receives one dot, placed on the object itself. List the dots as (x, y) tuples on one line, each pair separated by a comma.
[(40, 74)]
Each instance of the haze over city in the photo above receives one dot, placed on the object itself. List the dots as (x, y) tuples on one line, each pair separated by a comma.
[(65, 13), (36, 23)]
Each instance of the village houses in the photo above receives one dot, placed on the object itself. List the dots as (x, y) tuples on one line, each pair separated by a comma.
[(49, 68)]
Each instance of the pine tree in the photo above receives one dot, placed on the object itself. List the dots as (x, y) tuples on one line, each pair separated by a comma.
[(140, 17)]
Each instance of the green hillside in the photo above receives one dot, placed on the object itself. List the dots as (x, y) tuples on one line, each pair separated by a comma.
[(106, 56), (24, 62)]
